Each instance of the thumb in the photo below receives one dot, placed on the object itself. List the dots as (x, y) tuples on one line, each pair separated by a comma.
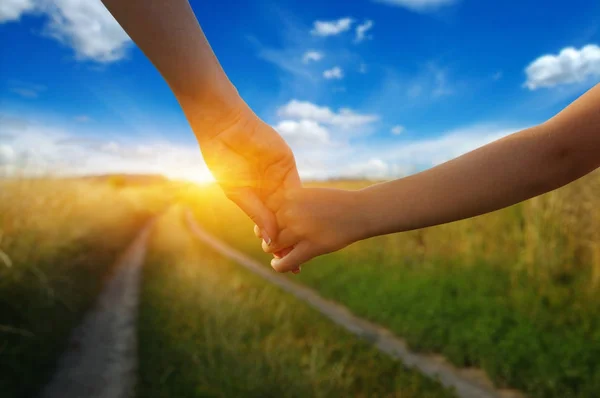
[(250, 203), (292, 180), (300, 254)]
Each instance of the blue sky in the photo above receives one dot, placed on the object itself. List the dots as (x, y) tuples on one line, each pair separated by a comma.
[(362, 88)]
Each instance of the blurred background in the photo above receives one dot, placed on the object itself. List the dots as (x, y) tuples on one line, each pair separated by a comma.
[(93, 145)]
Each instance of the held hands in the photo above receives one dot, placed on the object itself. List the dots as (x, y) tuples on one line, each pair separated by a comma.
[(253, 165), (315, 221), (256, 170)]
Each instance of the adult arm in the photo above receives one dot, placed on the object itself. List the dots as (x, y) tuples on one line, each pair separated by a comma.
[(250, 161)]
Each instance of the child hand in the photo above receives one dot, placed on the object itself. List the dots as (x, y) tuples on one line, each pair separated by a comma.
[(315, 221)]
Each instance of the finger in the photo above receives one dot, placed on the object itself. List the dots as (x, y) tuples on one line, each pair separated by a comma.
[(257, 232), (283, 252), (282, 176), (276, 171), (292, 179), (296, 271), (275, 203), (275, 200), (254, 208), (302, 252), (285, 239)]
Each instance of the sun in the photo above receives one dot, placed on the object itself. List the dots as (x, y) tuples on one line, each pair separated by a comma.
[(196, 175)]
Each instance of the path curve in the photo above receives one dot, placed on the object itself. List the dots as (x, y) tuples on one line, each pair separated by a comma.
[(468, 383), (101, 359)]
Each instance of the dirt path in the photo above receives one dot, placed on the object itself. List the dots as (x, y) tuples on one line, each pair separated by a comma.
[(101, 360), (468, 383)]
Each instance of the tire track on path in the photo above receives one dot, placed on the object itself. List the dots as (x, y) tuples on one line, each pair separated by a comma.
[(101, 359), (468, 383)]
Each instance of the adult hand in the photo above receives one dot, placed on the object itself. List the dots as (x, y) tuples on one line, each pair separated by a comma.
[(248, 158), (252, 164)]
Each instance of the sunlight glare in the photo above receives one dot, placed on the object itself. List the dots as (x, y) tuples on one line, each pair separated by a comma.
[(196, 175)]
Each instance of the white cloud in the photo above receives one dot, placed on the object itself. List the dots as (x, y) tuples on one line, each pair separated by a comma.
[(397, 130), (446, 146), (320, 149), (312, 56), (362, 29), (372, 168), (331, 28), (88, 28), (12, 10), (7, 154), (345, 118), (306, 110), (334, 73), (41, 149), (84, 25), (387, 159), (569, 66), (321, 138), (398, 158), (384, 160), (418, 5), (392, 159), (303, 132)]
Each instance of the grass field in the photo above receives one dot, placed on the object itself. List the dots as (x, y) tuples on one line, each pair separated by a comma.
[(209, 328), (516, 292), (58, 240)]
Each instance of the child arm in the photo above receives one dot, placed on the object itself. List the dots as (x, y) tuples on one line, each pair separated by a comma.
[(510, 170), (523, 165)]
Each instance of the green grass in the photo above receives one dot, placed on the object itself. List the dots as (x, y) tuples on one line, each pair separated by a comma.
[(514, 292), (59, 239), (547, 345), (208, 328)]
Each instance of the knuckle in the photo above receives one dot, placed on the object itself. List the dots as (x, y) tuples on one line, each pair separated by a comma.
[(289, 214)]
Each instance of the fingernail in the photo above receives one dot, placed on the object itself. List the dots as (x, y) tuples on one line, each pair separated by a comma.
[(296, 271), (257, 230), (266, 238), (274, 263)]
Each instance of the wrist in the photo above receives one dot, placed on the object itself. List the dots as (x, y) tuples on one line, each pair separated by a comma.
[(210, 115), (363, 222)]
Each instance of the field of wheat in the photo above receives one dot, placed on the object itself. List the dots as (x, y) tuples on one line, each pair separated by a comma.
[(58, 239), (515, 292), (210, 328)]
